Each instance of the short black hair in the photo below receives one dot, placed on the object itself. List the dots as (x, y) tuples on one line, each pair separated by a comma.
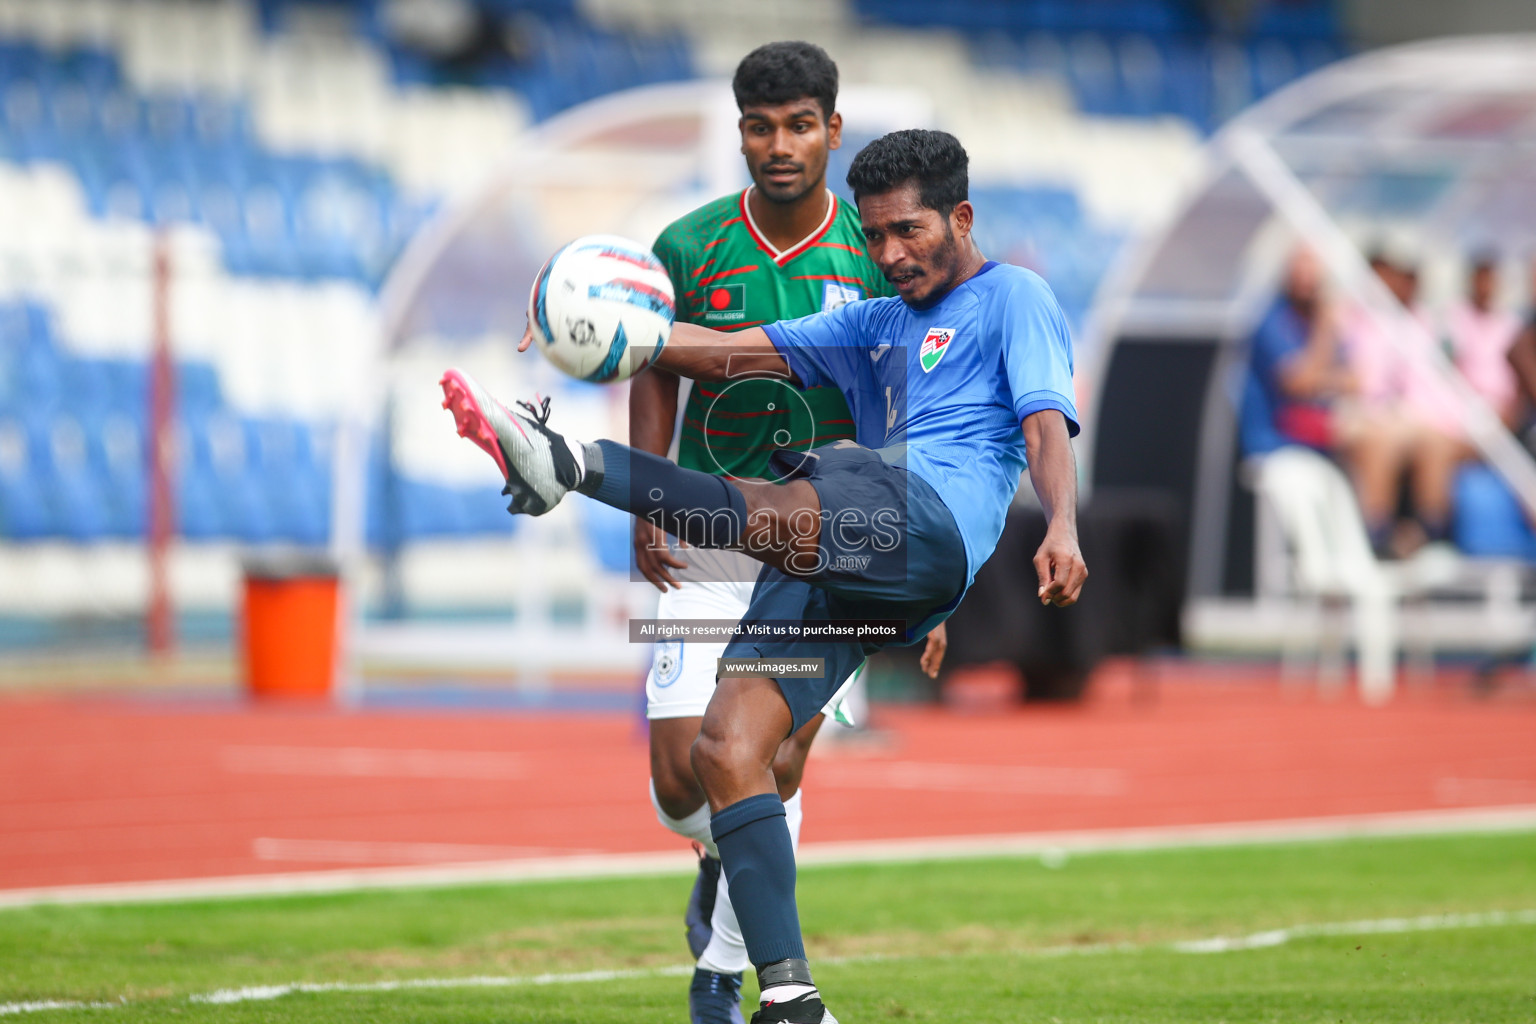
[(933, 161), (777, 73), (1483, 260)]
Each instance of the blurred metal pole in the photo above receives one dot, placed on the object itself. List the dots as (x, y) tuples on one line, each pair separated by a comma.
[(160, 623)]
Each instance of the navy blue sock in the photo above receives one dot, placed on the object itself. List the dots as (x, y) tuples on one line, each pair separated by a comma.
[(1435, 529), (700, 508), (759, 864)]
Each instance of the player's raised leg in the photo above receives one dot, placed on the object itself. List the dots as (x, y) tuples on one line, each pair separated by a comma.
[(777, 524)]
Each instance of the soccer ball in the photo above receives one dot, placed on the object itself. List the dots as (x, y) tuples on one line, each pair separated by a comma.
[(601, 308)]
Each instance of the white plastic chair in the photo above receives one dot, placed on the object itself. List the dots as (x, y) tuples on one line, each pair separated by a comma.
[(1331, 561)]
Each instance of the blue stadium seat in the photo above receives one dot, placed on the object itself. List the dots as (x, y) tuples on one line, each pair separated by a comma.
[(74, 492), (127, 388), (485, 511), (118, 460), (295, 480), (1274, 65), (38, 374), (24, 513), (199, 511), (427, 510), (198, 392), (1297, 19), (610, 533)]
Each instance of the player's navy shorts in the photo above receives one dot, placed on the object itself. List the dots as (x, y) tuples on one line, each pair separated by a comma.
[(889, 550)]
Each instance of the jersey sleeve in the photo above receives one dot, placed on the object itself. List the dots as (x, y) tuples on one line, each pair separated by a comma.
[(669, 249), (1037, 351), (824, 349)]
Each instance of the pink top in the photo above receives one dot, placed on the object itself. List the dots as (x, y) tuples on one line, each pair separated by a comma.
[(1481, 342), (1369, 353)]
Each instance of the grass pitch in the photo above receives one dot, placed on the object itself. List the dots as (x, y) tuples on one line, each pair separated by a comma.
[(1102, 937)]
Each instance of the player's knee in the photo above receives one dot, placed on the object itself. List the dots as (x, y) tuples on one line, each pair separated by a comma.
[(711, 758), (678, 794), (720, 759)]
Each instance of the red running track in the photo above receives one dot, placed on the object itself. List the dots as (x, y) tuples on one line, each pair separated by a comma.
[(116, 789)]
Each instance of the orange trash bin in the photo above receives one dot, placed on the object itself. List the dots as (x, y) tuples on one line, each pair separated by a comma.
[(290, 625)]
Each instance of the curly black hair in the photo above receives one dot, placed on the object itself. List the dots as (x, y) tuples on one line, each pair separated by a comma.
[(933, 161), (776, 73)]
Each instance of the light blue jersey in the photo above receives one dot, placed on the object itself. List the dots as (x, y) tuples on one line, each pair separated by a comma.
[(946, 387)]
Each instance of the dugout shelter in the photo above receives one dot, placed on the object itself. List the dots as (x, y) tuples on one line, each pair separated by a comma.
[(1436, 139)]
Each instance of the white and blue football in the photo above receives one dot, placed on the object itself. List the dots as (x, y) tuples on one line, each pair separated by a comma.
[(601, 308)]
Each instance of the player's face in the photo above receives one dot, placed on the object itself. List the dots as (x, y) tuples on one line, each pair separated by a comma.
[(786, 147), (1485, 283), (916, 248)]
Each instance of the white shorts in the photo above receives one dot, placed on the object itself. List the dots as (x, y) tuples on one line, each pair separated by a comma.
[(682, 676)]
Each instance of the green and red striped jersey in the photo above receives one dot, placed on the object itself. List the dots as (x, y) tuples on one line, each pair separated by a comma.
[(727, 277)]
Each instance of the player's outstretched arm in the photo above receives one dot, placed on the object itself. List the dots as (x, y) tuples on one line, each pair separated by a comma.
[(703, 354), (652, 420), (1053, 473)]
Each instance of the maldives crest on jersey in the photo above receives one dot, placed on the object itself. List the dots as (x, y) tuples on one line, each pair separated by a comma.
[(935, 344)]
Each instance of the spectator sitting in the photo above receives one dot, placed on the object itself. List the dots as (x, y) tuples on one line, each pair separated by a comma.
[(1295, 370), (1437, 437), (1304, 388), (1522, 361), (1481, 337)]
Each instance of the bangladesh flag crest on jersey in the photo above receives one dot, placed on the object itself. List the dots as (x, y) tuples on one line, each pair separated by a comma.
[(935, 344), (725, 302)]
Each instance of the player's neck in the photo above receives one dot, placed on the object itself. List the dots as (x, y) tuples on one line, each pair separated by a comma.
[(784, 225), (971, 265)]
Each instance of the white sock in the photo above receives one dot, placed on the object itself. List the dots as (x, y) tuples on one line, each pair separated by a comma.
[(726, 952), (579, 453), (794, 814), (780, 993), (695, 826)]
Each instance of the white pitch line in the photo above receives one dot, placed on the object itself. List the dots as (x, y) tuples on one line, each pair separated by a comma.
[(1047, 845), (1380, 926), (262, 992), (1215, 944), (37, 1006)]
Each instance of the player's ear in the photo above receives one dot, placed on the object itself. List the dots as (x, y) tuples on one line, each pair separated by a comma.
[(963, 216), (741, 129), (834, 130)]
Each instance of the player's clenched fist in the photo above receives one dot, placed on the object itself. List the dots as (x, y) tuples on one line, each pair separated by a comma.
[(1060, 566)]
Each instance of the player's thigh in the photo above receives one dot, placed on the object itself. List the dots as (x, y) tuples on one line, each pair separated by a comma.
[(821, 665), (886, 536)]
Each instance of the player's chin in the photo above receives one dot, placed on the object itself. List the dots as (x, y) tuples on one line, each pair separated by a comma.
[(783, 190)]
